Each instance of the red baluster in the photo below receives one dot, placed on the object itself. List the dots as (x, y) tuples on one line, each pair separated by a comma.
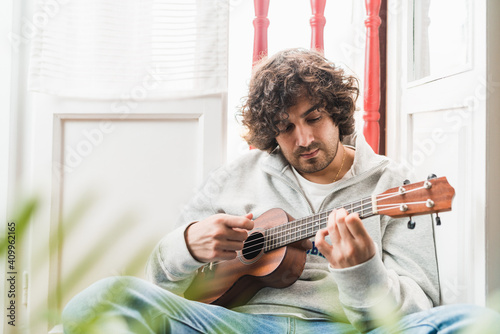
[(371, 114), (260, 24), (317, 22)]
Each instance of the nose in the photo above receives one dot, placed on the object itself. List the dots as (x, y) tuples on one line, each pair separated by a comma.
[(304, 136)]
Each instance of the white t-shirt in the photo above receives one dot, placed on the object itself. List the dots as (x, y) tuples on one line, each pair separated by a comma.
[(316, 192)]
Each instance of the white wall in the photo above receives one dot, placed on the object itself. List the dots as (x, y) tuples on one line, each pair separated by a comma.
[(493, 151), (5, 98), (14, 175)]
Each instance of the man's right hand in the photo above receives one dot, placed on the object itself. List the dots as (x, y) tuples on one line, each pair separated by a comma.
[(218, 237)]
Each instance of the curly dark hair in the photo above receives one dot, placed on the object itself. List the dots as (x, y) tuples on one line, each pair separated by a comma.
[(280, 81)]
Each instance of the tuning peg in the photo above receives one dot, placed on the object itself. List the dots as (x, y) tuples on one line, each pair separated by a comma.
[(411, 224), (431, 176), (405, 182), (438, 220)]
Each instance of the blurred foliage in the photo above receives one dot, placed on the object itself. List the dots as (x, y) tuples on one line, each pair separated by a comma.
[(23, 216), (104, 322)]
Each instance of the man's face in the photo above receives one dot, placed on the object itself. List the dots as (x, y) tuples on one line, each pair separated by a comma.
[(309, 141)]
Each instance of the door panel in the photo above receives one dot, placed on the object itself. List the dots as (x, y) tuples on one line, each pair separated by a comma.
[(440, 146), (137, 184), (128, 173), (436, 113)]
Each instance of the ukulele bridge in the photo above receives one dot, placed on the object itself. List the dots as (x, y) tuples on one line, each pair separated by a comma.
[(208, 270), (209, 266)]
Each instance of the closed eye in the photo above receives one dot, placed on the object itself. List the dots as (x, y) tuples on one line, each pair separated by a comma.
[(287, 128), (314, 120)]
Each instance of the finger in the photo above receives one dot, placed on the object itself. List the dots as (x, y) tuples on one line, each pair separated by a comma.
[(341, 225), (320, 242), (226, 255), (243, 222), (232, 245), (356, 226), (321, 234), (332, 228), (249, 227), (236, 235)]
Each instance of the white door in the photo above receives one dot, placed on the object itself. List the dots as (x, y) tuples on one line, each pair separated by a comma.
[(111, 185), (436, 124)]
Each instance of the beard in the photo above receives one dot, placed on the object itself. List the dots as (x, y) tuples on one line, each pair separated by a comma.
[(318, 163)]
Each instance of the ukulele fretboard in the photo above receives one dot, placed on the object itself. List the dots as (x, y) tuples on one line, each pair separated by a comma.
[(304, 228)]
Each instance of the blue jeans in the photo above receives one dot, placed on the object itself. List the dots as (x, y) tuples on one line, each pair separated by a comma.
[(130, 305)]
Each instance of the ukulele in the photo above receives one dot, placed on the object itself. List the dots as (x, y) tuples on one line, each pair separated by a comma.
[(274, 256)]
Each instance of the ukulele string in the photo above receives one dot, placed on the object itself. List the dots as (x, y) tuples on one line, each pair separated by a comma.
[(393, 206), (311, 220), (308, 223), (240, 256), (303, 227), (394, 194), (311, 223)]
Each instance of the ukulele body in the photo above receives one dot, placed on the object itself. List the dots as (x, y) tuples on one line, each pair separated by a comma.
[(234, 282)]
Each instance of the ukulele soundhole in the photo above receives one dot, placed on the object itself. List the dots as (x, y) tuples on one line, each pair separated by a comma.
[(253, 246)]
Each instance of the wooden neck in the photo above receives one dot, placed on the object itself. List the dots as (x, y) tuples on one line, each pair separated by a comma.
[(305, 228)]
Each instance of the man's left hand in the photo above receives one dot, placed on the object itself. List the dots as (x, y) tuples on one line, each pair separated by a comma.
[(351, 243)]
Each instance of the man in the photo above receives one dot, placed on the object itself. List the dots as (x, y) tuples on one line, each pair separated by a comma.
[(299, 116)]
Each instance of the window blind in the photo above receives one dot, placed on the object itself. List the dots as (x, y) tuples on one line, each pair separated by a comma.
[(116, 48)]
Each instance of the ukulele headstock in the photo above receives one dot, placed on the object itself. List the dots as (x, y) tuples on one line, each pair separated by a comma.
[(426, 197)]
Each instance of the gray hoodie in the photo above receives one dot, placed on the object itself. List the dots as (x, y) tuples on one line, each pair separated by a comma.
[(401, 277)]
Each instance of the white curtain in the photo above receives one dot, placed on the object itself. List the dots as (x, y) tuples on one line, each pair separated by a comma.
[(102, 49)]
